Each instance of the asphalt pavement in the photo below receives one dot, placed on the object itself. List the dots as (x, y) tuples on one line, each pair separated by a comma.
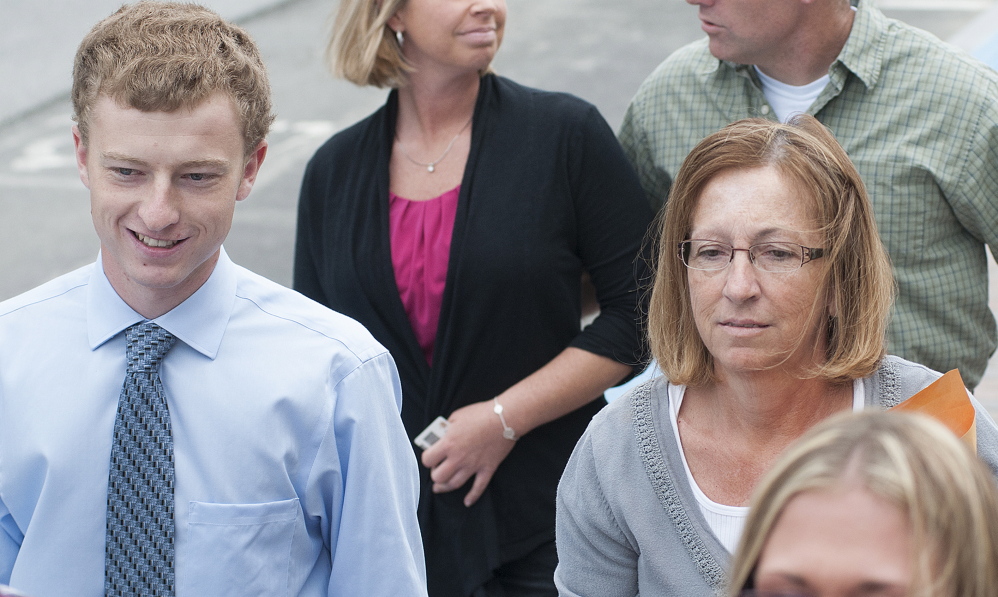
[(596, 49)]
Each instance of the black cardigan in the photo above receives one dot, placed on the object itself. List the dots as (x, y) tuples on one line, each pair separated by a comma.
[(547, 193)]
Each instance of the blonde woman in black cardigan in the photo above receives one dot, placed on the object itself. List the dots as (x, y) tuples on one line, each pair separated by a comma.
[(456, 223)]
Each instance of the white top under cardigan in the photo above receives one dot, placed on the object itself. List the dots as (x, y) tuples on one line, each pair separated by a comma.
[(726, 521)]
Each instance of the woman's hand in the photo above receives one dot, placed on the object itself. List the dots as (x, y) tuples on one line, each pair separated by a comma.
[(473, 446)]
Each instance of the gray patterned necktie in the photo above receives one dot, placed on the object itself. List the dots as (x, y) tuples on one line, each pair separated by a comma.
[(138, 555)]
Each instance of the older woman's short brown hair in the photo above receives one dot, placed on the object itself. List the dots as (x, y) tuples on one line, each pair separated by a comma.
[(860, 282), (160, 56), (947, 495)]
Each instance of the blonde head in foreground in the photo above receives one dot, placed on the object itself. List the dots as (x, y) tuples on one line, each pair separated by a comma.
[(946, 498)]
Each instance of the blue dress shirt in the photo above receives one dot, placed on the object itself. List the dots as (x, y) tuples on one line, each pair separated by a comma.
[(294, 475)]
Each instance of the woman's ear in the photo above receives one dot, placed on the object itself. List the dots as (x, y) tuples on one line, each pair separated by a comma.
[(395, 23)]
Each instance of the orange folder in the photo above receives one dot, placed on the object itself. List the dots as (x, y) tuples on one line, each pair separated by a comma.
[(947, 400)]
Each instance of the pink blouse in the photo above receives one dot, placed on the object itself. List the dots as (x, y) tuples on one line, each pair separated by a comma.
[(420, 234)]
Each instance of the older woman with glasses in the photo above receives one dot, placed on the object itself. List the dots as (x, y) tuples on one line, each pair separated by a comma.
[(877, 503), (767, 315)]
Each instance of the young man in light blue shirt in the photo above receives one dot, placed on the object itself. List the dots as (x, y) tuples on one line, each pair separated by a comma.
[(284, 468)]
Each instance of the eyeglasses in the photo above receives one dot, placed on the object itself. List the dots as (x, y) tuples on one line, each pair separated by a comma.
[(712, 255)]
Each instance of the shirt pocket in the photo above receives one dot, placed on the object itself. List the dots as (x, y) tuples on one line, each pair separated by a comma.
[(240, 550)]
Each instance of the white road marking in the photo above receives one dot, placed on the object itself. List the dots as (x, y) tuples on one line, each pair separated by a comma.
[(9, 181), (47, 153), (50, 163)]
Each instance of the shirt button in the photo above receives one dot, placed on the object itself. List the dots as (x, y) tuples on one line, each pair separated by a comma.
[(765, 110)]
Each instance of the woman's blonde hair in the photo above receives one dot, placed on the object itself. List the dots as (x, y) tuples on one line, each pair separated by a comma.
[(362, 48), (859, 280), (161, 56), (910, 460)]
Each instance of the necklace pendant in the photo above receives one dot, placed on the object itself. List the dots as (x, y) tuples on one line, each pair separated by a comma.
[(430, 168)]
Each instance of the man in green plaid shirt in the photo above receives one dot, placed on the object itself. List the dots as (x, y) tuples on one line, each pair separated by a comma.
[(918, 117)]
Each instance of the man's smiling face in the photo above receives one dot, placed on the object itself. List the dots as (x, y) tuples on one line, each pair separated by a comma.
[(163, 188)]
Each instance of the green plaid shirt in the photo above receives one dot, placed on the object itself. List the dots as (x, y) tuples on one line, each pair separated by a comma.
[(919, 119)]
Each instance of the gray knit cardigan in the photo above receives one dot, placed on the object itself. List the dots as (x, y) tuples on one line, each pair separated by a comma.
[(628, 523)]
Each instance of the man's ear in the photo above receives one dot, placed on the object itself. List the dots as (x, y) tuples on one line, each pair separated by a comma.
[(251, 170), (80, 149)]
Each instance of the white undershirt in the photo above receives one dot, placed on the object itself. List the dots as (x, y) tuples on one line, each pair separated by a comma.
[(727, 522), (787, 100)]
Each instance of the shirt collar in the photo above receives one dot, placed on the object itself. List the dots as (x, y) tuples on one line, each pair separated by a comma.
[(863, 53), (199, 321)]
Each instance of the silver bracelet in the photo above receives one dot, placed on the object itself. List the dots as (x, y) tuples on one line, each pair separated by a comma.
[(507, 431)]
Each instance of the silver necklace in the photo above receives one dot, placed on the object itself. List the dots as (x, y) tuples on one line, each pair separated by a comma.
[(432, 166)]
